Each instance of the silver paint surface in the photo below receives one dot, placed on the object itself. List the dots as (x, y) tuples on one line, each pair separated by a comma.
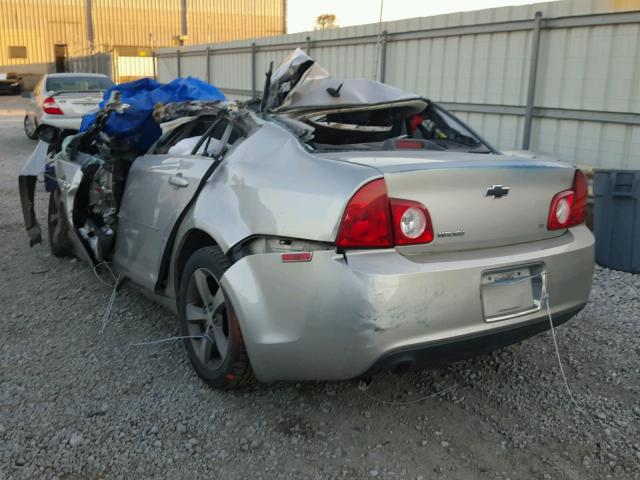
[(332, 317), (150, 207)]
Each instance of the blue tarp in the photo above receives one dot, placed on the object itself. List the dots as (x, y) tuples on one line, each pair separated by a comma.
[(137, 124)]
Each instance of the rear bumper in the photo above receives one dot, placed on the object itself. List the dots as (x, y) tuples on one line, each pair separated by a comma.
[(64, 122), (342, 316), (448, 351)]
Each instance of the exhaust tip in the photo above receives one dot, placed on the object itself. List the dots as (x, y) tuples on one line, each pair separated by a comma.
[(403, 365)]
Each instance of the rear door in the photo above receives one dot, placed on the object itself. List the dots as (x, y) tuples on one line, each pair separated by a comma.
[(159, 187)]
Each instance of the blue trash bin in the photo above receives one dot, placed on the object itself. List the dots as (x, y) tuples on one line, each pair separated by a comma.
[(617, 219)]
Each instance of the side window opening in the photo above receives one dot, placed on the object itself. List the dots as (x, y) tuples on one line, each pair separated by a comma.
[(221, 136), (212, 142), (202, 136), (180, 140)]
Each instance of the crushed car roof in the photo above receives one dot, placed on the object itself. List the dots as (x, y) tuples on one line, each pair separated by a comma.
[(313, 96), (300, 86)]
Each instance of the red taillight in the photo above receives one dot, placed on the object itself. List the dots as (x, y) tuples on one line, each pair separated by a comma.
[(366, 222), (296, 257), (560, 211), (51, 107), (581, 190), (411, 222), (568, 208), (372, 220), (409, 144)]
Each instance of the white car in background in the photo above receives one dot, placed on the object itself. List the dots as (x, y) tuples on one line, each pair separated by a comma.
[(61, 99)]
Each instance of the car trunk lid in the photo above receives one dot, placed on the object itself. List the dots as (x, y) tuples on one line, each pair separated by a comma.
[(475, 201), (77, 103)]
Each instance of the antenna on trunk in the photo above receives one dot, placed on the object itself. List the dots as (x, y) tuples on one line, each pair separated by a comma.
[(334, 92)]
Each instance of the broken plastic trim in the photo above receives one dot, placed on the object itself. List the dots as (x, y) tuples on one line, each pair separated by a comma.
[(265, 244), (27, 187)]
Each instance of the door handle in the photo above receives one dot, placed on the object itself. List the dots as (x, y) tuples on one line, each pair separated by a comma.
[(178, 180)]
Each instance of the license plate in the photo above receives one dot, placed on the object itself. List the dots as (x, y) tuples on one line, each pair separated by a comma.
[(512, 292), (88, 106)]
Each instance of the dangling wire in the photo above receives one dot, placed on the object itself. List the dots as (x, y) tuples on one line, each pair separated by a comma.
[(112, 298), (205, 335), (555, 345), (364, 385), (108, 268)]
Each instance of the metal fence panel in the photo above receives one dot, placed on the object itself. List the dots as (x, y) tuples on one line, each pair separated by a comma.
[(167, 68), (96, 63), (194, 66), (582, 104)]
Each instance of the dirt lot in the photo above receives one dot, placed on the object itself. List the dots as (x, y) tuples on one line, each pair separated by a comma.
[(78, 405)]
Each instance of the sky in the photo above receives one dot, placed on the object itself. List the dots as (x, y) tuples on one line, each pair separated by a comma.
[(302, 13)]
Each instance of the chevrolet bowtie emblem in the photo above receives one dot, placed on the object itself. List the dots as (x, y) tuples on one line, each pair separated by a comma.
[(497, 191)]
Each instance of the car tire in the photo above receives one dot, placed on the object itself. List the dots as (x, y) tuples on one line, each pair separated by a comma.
[(30, 126), (219, 356), (58, 227)]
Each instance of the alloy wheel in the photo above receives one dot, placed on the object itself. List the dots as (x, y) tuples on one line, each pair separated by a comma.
[(29, 126), (207, 319)]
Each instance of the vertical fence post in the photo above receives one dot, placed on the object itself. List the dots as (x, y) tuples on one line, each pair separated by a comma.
[(113, 65), (154, 59), (533, 75), (178, 62), (183, 21), (383, 56), (308, 47), (253, 70), (206, 59)]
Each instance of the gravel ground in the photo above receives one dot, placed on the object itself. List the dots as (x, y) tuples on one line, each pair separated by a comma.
[(78, 405)]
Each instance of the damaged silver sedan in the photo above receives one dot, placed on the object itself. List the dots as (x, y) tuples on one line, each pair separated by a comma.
[(339, 229)]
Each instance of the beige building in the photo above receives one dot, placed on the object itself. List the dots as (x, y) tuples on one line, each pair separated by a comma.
[(38, 36)]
